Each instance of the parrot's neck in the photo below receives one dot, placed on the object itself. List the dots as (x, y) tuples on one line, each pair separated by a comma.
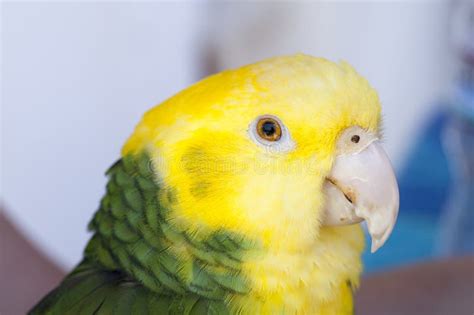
[(133, 234), (308, 282)]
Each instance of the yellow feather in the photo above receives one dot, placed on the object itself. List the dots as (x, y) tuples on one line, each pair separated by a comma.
[(221, 179)]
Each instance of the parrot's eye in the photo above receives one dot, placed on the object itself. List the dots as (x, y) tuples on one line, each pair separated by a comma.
[(269, 129), (269, 132)]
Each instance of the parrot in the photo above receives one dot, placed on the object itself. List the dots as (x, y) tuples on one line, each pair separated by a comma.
[(241, 194)]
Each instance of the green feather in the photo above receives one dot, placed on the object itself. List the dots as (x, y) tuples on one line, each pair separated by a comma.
[(125, 233), (139, 262)]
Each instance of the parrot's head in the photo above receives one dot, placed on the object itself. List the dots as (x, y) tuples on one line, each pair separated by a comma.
[(278, 151)]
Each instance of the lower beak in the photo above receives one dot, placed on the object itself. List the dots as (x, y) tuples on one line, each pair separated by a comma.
[(362, 186)]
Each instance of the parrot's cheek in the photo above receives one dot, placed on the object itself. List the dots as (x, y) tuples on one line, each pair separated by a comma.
[(362, 186)]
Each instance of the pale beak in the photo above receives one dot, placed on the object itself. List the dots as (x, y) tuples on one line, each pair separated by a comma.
[(362, 186)]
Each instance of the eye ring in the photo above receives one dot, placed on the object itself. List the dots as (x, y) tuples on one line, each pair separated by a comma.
[(269, 129)]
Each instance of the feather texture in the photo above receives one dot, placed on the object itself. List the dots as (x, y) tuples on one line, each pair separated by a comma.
[(137, 260), (198, 218)]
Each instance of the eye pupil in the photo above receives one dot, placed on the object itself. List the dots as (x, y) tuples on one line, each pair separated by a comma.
[(355, 138), (268, 128)]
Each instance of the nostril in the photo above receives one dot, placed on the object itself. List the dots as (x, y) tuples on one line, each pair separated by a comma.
[(355, 138)]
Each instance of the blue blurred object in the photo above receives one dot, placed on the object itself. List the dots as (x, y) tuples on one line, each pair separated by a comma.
[(424, 185), (436, 189), (457, 221), (436, 215), (457, 230)]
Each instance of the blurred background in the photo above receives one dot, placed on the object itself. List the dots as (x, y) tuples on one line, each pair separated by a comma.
[(76, 77)]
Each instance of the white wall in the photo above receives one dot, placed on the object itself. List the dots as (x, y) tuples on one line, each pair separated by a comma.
[(77, 77), (400, 47)]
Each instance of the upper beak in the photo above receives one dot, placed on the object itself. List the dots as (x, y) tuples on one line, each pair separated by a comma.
[(362, 186)]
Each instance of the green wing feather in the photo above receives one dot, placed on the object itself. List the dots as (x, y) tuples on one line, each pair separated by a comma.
[(138, 262), (93, 290)]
